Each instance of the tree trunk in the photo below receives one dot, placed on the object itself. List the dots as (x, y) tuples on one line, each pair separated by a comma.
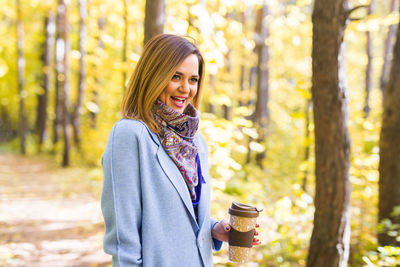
[(76, 122), (262, 33), (243, 69), (389, 148), (252, 78), (95, 92), (6, 130), (20, 76), (57, 106), (59, 50), (227, 108), (368, 75), (154, 18), (388, 50), (329, 245), (41, 119), (261, 111), (63, 76)]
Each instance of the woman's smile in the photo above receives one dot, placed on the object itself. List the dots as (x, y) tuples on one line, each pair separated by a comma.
[(179, 101)]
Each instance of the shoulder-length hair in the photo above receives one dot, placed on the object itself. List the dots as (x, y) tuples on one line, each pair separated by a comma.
[(161, 56)]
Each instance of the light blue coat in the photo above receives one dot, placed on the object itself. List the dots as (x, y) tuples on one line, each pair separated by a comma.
[(146, 205)]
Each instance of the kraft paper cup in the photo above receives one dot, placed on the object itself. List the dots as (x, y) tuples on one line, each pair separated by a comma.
[(243, 219)]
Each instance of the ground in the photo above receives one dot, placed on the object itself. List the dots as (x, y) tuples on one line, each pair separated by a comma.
[(49, 216)]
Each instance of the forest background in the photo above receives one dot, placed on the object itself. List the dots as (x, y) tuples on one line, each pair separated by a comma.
[(62, 78)]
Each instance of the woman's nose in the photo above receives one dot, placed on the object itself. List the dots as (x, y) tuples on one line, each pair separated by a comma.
[(185, 86)]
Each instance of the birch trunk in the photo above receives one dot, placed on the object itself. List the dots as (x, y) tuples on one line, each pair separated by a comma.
[(63, 77)]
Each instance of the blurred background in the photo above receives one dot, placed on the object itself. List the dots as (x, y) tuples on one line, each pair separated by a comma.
[(63, 70)]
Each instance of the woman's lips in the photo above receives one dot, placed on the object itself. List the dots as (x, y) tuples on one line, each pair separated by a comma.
[(179, 102)]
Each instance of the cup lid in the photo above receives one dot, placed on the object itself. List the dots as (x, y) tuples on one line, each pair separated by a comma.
[(243, 210)]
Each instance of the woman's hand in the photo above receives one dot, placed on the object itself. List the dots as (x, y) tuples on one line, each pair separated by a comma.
[(221, 230)]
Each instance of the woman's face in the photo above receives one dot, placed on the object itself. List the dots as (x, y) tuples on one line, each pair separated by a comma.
[(183, 86)]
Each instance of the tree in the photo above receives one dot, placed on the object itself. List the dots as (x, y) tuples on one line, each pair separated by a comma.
[(95, 109), (63, 76), (388, 51), (261, 113), (227, 108), (154, 18), (368, 76), (389, 148), (59, 50), (243, 18), (46, 57), (76, 122), (6, 131), (329, 245), (20, 77)]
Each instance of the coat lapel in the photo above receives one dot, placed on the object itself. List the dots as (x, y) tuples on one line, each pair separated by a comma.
[(176, 179), (202, 207)]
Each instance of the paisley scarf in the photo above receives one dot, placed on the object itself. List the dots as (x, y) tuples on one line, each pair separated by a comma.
[(176, 137)]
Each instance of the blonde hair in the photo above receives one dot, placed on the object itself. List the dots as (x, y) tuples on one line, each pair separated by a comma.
[(161, 56)]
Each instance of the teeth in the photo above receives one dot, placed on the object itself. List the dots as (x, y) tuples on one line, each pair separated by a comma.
[(178, 98)]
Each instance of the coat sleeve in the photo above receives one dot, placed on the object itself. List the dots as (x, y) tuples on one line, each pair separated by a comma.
[(121, 196), (216, 244)]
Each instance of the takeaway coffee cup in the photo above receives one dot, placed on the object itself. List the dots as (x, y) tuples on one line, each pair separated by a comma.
[(243, 224)]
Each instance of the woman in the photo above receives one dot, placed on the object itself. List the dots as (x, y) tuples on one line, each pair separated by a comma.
[(156, 194)]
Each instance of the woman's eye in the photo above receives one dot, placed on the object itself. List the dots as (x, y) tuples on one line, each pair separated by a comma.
[(195, 80), (176, 77)]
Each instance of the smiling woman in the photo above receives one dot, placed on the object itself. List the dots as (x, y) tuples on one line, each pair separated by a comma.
[(167, 61), (156, 193)]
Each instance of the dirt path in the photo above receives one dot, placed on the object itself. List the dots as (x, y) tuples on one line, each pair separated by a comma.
[(49, 216)]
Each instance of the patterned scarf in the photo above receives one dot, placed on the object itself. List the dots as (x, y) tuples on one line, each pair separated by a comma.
[(176, 136)]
